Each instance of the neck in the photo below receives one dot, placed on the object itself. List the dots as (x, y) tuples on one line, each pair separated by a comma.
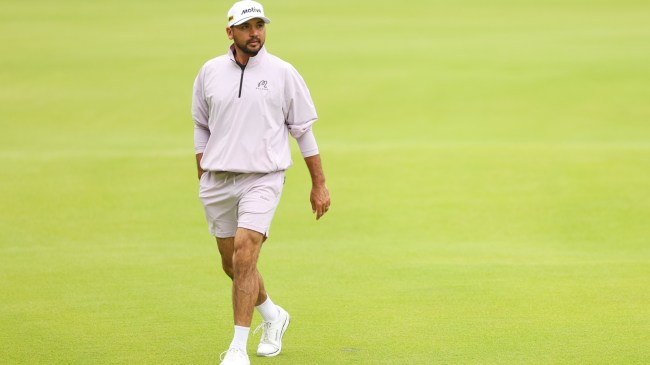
[(241, 57)]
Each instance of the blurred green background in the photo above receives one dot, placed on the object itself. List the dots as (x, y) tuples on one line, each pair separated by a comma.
[(489, 165)]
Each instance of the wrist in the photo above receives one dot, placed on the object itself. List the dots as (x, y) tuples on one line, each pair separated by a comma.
[(318, 183)]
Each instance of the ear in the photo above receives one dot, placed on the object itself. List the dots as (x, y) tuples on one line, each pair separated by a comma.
[(229, 33)]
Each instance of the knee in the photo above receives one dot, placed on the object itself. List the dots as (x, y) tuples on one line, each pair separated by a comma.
[(228, 269), (226, 252), (244, 260)]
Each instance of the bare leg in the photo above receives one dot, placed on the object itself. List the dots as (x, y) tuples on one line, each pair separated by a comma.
[(227, 249), (245, 283)]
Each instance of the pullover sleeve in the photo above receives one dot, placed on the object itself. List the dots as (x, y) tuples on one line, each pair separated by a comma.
[(299, 110), (200, 115), (307, 144)]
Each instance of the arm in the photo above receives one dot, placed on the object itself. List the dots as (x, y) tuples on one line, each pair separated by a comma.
[(201, 137), (200, 117), (320, 196), (300, 115)]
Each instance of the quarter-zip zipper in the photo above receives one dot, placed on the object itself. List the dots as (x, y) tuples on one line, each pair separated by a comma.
[(241, 79)]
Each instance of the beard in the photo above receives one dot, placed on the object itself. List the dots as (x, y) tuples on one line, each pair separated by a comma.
[(246, 49)]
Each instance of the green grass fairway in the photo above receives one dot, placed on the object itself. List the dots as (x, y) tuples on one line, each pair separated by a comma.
[(489, 165)]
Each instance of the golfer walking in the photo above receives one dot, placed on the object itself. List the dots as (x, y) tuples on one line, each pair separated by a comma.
[(244, 106)]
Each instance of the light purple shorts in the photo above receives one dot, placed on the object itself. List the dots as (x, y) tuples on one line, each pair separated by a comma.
[(233, 200)]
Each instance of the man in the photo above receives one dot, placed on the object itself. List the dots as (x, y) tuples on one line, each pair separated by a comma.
[(244, 106)]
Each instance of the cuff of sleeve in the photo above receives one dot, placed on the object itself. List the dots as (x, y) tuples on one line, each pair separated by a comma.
[(307, 144)]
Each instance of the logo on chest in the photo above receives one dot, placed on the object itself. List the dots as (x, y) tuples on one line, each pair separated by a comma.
[(263, 85)]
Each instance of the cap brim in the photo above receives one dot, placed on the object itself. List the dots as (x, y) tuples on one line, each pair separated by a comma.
[(244, 20)]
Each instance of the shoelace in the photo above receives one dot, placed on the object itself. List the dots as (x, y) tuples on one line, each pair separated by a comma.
[(265, 330), (225, 353)]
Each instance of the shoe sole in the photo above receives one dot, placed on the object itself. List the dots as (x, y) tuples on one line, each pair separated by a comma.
[(284, 329)]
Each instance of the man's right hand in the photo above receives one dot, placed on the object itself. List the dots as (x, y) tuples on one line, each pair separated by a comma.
[(198, 164)]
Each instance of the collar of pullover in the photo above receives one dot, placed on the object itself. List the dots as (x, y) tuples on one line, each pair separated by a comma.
[(252, 61)]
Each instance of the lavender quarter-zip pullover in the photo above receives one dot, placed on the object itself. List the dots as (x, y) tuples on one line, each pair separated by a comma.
[(244, 115)]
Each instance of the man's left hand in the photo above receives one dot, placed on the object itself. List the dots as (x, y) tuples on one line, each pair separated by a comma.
[(320, 200)]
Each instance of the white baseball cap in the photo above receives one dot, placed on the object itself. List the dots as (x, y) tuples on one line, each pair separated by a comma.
[(243, 11)]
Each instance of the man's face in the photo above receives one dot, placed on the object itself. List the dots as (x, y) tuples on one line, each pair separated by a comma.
[(249, 36)]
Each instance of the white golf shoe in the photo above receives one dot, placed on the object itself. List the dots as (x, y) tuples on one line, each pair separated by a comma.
[(234, 357), (272, 332)]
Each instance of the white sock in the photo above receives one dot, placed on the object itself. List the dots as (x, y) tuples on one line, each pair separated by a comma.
[(268, 310), (240, 340)]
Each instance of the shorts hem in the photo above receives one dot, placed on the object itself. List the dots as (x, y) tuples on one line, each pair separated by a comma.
[(255, 228), (222, 234)]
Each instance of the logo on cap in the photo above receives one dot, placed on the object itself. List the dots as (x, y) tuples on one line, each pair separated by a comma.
[(251, 10)]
